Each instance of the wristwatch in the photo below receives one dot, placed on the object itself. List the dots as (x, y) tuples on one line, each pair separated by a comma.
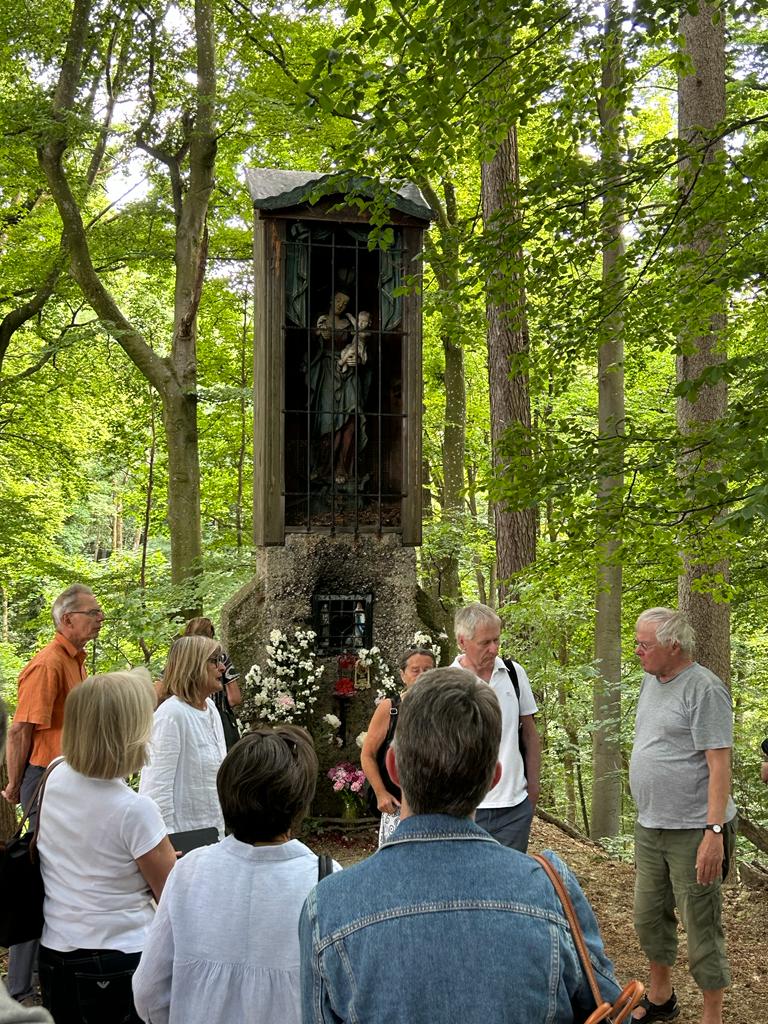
[(717, 829)]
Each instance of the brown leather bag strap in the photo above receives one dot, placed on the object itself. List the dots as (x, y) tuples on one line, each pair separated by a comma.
[(573, 921), (632, 992)]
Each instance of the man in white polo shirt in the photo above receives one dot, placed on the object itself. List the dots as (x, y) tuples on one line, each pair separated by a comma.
[(507, 811)]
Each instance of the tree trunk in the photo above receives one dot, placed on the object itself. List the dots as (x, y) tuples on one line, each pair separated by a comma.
[(8, 823), (150, 492), (606, 737), (443, 254), (507, 348), (243, 429), (701, 109), (566, 721), (174, 377), (180, 422), (117, 523)]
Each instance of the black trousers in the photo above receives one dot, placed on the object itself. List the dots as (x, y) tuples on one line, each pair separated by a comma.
[(89, 986)]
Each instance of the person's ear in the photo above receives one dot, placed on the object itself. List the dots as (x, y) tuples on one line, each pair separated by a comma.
[(497, 773), (391, 764)]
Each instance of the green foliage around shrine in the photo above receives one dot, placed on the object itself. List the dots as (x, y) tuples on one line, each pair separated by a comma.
[(423, 92)]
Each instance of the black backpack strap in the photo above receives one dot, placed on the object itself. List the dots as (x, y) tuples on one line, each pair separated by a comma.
[(324, 866), (509, 665)]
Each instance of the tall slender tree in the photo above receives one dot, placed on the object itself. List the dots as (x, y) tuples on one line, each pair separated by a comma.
[(702, 343), (606, 738), (507, 346), (442, 249)]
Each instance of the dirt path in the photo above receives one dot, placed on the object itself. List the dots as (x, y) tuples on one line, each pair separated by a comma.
[(609, 884)]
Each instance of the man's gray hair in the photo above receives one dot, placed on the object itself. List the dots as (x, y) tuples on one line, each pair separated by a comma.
[(447, 742), (471, 616), (68, 601), (671, 628)]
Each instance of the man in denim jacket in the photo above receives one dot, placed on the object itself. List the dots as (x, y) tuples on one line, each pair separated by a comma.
[(444, 923)]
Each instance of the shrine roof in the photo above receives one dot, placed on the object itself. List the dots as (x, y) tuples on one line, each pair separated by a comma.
[(275, 189)]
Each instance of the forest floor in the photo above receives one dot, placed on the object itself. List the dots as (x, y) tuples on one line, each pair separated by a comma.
[(609, 885)]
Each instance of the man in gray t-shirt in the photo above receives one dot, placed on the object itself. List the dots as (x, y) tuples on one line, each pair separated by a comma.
[(680, 779)]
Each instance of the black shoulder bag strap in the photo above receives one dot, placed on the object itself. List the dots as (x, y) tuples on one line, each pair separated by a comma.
[(394, 711), (324, 866), (509, 665)]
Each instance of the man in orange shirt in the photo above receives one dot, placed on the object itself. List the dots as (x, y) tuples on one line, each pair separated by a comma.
[(34, 739)]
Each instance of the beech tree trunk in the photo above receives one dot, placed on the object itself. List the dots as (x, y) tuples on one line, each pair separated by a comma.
[(701, 109), (443, 245), (606, 737), (507, 349), (174, 377)]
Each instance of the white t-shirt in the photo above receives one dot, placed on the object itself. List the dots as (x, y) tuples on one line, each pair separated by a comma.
[(224, 945), (91, 833), (186, 750), (511, 788)]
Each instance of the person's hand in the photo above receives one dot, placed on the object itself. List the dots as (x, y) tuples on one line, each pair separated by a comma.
[(709, 858), (389, 804), (764, 772), (12, 794)]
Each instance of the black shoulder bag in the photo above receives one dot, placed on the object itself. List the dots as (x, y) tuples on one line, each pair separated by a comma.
[(21, 883)]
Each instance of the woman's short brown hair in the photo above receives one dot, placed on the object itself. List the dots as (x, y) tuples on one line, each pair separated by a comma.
[(267, 782), (185, 673), (107, 724), (200, 626), (409, 652)]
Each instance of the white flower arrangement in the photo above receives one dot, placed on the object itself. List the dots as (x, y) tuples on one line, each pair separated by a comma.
[(422, 639), (334, 723), (285, 690), (360, 739), (371, 667)]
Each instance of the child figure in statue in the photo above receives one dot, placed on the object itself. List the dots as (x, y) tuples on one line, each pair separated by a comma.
[(355, 352), (338, 387)]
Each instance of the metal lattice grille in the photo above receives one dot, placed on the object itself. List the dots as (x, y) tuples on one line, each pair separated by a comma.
[(344, 412), (342, 622)]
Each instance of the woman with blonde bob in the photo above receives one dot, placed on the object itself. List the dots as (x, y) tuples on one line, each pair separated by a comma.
[(229, 696), (187, 739), (224, 945), (104, 852)]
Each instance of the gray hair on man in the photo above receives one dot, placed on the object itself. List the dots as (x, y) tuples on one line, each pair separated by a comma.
[(471, 616), (68, 600), (447, 742), (671, 628)]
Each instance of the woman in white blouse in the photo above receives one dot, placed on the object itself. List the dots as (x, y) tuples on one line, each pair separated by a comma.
[(104, 852), (187, 739), (224, 945)]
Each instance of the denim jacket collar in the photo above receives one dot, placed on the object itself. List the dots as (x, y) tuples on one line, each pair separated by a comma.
[(427, 827)]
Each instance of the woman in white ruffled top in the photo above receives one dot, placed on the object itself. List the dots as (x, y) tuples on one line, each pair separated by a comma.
[(188, 743), (224, 945)]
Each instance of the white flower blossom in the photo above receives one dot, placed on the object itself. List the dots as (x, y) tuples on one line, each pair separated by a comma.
[(360, 739), (332, 720)]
